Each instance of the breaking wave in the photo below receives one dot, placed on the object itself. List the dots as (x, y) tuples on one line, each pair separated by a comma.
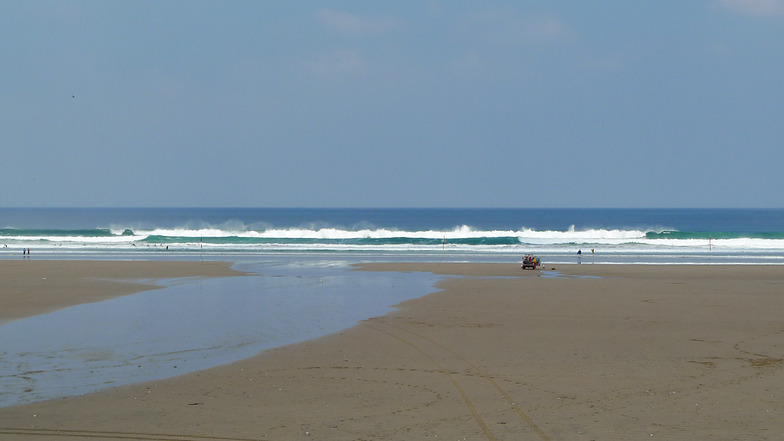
[(464, 238)]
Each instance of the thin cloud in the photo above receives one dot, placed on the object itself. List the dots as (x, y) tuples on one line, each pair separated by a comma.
[(355, 24), (760, 8), (503, 28), (435, 7)]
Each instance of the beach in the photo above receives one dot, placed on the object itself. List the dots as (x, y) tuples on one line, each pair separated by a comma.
[(579, 352), (32, 287)]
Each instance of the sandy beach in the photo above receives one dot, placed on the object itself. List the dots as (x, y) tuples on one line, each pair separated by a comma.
[(587, 352), (32, 287)]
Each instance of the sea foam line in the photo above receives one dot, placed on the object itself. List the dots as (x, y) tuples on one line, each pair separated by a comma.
[(462, 232)]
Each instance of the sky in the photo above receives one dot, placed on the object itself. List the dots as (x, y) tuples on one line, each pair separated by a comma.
[(392, 104)]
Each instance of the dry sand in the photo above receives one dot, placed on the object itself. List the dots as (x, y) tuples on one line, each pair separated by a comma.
[(641, 352)]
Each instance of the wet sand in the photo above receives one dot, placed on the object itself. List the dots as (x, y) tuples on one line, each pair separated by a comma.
[(32, 287), (588, 352)]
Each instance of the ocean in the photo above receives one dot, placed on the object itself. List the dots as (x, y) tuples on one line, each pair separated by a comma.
[(660, 236)]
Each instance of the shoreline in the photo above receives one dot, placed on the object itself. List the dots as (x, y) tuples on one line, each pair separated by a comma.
[(583, 352), (34, 287)]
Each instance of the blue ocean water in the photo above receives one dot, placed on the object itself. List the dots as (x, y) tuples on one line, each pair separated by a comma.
[(438, 234)]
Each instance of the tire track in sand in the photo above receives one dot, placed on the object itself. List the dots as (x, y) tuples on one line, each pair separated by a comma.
[(95, 434), (395, 332)]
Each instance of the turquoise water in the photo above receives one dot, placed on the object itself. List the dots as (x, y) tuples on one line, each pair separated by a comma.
[(615, 235)]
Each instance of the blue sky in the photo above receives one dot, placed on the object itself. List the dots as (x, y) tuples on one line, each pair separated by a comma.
[(392, 104)]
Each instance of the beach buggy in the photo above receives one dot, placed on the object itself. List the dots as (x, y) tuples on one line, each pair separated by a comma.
[(530, 261)]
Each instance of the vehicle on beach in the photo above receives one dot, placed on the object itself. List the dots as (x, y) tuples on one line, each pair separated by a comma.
[(530, 261)]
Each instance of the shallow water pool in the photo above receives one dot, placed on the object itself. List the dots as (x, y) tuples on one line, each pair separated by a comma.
[(190, 325)]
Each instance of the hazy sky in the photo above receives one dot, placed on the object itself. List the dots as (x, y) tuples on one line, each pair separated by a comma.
[(398, 103)]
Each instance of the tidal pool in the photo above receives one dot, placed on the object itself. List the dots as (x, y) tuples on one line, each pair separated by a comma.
[(190, 325)]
